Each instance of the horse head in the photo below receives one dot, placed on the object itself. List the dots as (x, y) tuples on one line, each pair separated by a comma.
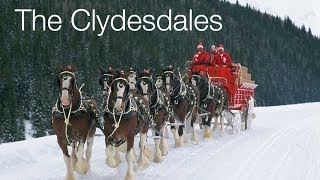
[(106, 78), (159, 81), (67, 85), (145, 84), (132, 78), (168, 78), (119, 91), (198, 79)]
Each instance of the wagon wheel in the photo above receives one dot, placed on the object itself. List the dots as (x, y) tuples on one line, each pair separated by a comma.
[(244, 117), (247, 117)]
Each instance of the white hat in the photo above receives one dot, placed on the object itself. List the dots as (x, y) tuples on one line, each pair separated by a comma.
[(199, 46)]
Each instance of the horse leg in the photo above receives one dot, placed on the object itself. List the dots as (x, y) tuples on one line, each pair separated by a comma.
[(174, 132), (130, 175), (184, 135), (207, 127), (157, 152), (181, 132), (67, 160), (90, 140), (194, 136), (163, 143), (117, 156), (215, 124), (73, 157), (143, 160), (222, 125), (81, 164), (110, 161)]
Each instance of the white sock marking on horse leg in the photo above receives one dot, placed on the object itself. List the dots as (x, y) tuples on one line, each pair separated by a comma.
[(143, 161), (130, 158), (81, 164), (194, 136), (184, 136), (222, 125), (67, 161), (206, 131), (73, 159), (215, 125), (117, 156), (157, 152), (90, 141), (175, 136), (163, 143), (111, 162), (165, 130)]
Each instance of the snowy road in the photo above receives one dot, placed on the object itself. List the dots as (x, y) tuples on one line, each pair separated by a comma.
[(283, 144)]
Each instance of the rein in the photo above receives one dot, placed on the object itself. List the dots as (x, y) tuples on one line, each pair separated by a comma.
[(66, 121)]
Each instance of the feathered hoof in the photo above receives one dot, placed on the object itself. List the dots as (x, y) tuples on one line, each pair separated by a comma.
[(194, 139), (70, 176), (118, 160), (144, 164), (148, 153), (129, 176), (164, 150), (82, 166), (207, 134), (111, 162), (158, 159), (179, 144)]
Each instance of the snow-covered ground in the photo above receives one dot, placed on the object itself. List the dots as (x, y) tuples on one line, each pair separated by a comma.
[(305, 12), (283, 144)]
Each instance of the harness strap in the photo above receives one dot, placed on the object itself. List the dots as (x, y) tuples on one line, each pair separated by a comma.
[(116, 123), (66, 122)]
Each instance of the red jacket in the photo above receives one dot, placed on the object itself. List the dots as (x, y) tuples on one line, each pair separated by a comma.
[(201, 57), (222, 59)]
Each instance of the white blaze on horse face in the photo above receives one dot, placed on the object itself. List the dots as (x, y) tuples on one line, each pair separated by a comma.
[(159, 83), (65, 99), (144, 87), (193, 82), (132, 80), (120, 95), (168, 84)]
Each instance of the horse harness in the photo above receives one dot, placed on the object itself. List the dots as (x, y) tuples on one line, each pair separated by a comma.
[(134, 105), (84, 106)]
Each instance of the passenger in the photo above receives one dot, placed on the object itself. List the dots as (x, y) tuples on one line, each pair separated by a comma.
[(201, 57), (222, 58)]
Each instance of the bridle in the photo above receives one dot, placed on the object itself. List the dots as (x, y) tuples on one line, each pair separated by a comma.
[(63, 73), (117, 80), (104, 78), (149, 82)]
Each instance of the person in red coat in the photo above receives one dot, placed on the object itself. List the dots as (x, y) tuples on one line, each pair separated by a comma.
[(213, 52), (223, 63), (201, 57), (221, 59)]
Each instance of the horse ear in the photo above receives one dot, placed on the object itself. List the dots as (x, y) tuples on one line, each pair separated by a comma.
[(101, 70), (60, 68), (72, 68), (58, 82), (100, 82)]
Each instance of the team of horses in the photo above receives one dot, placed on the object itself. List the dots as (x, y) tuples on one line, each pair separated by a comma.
[(134, 102)]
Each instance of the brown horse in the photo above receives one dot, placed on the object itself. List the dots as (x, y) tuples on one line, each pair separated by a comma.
[(145, 118), (182, 106), (159, 110), (74, 120), (123, 121)]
